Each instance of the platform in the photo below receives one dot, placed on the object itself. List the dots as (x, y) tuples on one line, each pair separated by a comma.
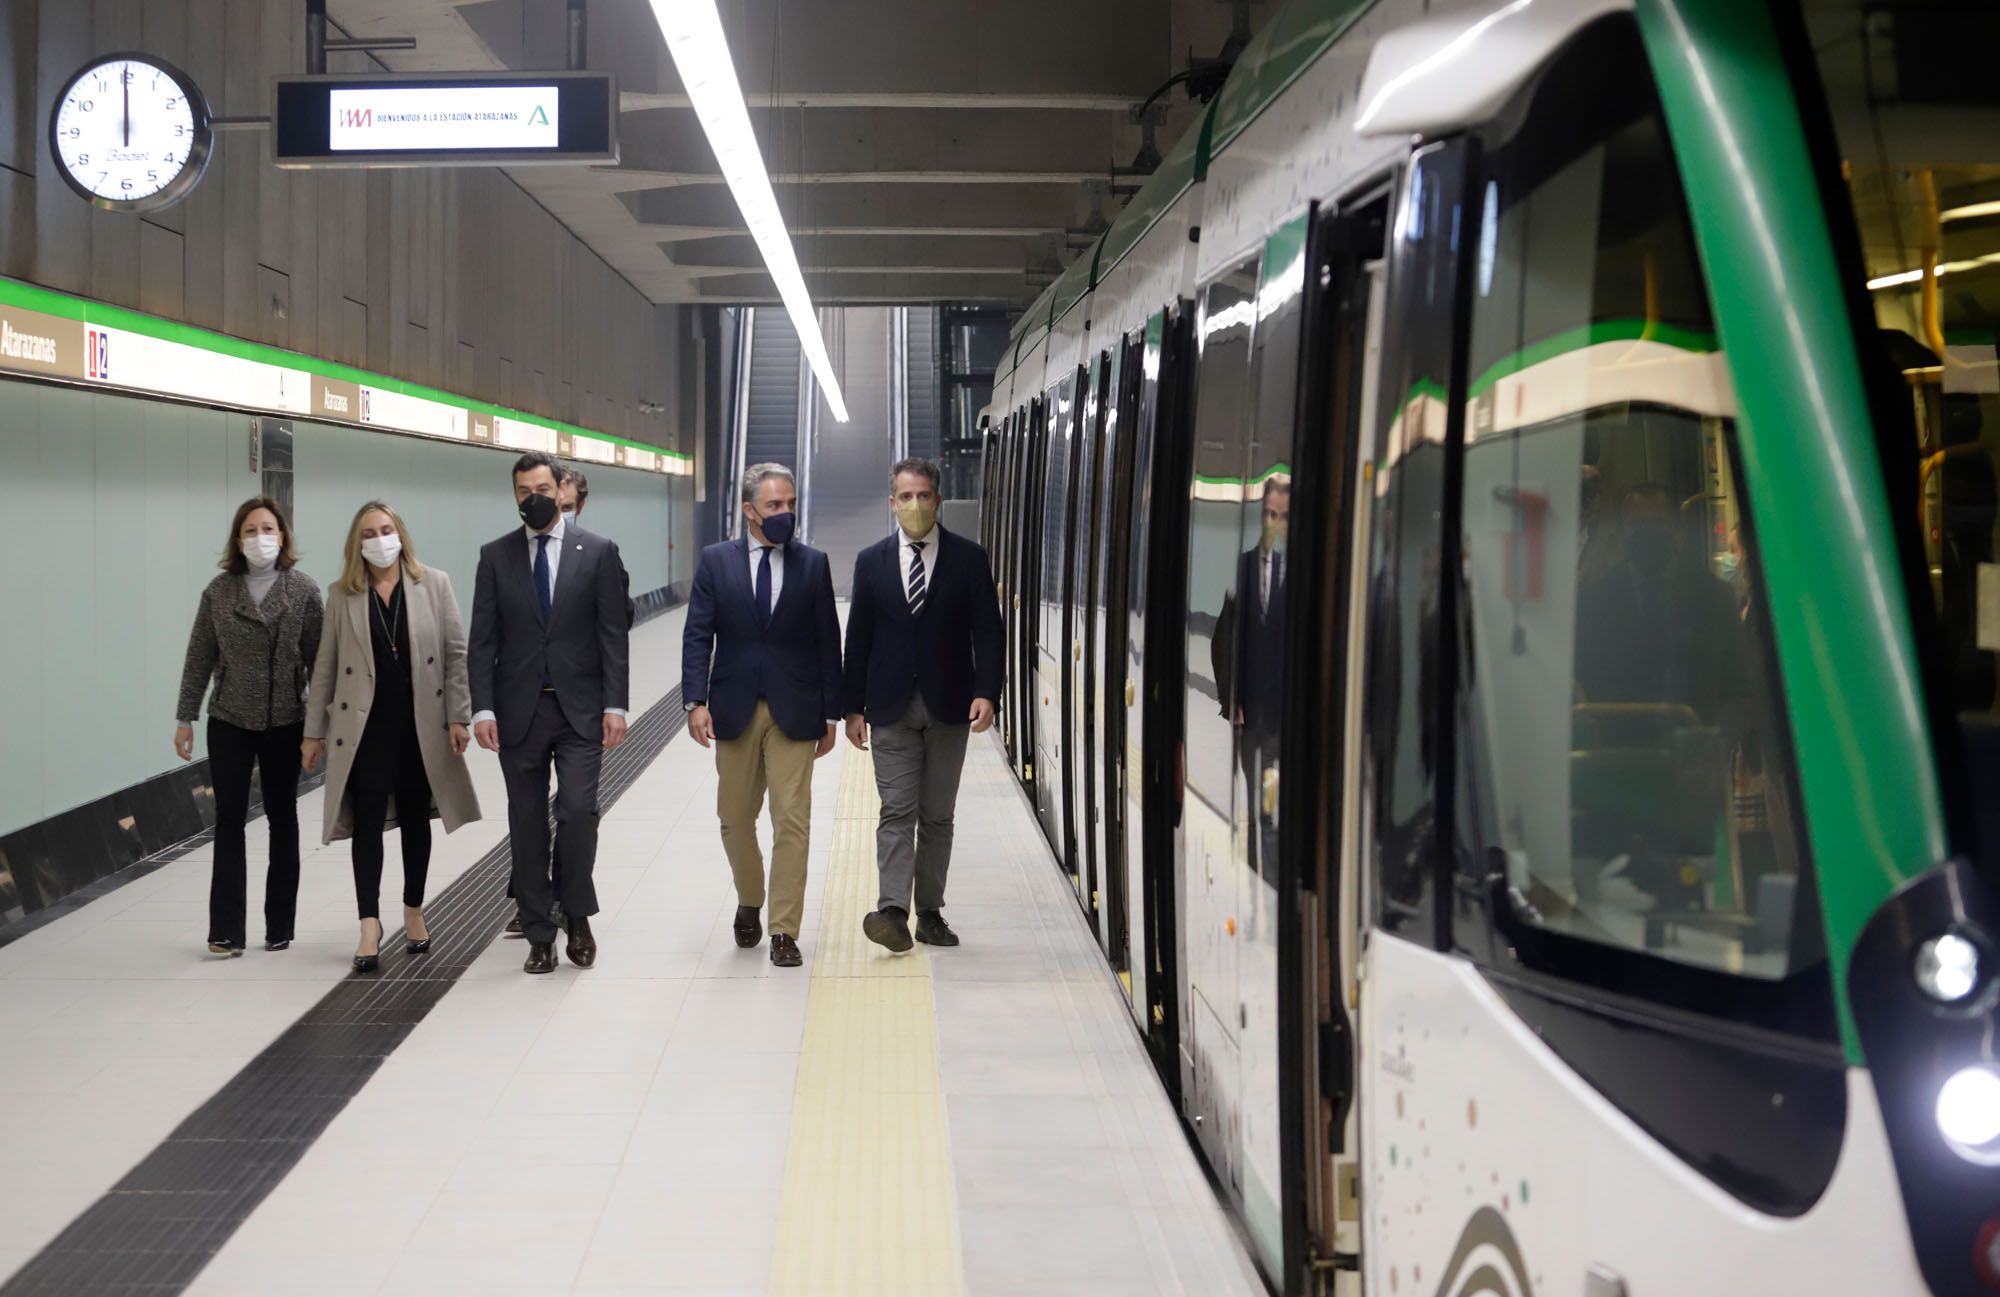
[(682, 1118)]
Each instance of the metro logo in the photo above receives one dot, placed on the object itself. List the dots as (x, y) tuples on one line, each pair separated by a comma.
[(357, 118)]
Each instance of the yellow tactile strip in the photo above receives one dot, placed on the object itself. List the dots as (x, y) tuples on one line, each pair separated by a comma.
[(868, 1207)]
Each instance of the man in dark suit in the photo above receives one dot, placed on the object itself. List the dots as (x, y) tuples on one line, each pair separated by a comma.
[(549, 665), (1250, 663), (760, 676), (924, 664)]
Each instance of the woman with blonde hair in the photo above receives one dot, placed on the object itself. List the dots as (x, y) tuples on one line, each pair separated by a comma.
[(391, 691), (256, 631)]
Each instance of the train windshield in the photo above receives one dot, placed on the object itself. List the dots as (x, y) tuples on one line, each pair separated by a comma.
[(1916, 112)]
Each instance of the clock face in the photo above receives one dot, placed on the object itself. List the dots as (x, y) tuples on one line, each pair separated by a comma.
[(130, 133)]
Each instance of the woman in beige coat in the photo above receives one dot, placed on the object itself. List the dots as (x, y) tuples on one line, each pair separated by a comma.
[(391, 691)]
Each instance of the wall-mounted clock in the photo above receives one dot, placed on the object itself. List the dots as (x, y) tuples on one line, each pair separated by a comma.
[(130, 133)]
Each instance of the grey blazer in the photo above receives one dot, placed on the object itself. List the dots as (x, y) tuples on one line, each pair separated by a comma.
[(343, 693), (582, 645), (257, 654)]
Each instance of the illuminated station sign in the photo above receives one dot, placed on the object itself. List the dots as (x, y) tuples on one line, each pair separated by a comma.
[(459, 120)]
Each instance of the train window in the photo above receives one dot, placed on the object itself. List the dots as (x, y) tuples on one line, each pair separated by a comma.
[(1624, 773), (1221, 406), (1406, 476)]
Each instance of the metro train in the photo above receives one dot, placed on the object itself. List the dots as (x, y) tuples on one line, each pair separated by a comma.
[(1498, 542)]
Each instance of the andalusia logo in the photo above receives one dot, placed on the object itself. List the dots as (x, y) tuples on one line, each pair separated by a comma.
[(538, 117), (1487, 1261)]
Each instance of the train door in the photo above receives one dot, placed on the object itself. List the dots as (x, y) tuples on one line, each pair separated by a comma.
[(1050, 662), (1160, 526), (1213, 1015), (1318, 871), (1020, 442), (1028, 605), (997, 521), (1118, 688), (1091, 498)]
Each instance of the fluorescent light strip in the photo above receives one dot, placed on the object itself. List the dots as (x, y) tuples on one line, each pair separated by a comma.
[(1971, 211), (1903, 277), (694, 37)]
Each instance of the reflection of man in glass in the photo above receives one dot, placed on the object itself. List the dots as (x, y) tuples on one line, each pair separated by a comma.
[(1256, 615)]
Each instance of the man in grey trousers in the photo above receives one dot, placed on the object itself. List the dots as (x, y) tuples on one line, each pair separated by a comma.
[(925, 649)]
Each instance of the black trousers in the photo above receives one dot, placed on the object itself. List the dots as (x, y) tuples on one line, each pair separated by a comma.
[(370, 809), (274, 754), (551, 740)]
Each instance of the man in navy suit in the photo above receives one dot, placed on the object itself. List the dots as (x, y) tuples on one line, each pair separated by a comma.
[(924, 646), (760, 676)]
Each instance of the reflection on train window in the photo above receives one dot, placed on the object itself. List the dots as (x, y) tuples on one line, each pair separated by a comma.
[(1222, 405), (1925, 187), (1622, 743)]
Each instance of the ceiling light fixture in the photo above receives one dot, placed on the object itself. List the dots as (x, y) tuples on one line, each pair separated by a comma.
[(693, 32)]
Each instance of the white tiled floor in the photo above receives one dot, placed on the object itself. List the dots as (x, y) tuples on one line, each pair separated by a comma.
[(625, 1129)]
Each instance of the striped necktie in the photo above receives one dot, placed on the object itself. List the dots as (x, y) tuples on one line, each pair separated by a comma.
[(916, 577)]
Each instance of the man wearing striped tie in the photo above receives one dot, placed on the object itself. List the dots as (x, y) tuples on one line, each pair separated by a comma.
[(924, 662)]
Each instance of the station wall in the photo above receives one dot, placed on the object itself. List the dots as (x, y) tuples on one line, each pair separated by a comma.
[(120, 509), (454, 278)]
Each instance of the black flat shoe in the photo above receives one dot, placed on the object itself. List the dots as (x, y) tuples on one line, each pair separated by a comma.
[(581, 947), (513, 928), (932, 930), (228, 949), (887, 928), (541, 957), (749, 927), (785, 951), (286, 944)]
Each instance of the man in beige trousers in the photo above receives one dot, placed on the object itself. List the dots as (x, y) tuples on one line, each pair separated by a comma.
[(760, 677)]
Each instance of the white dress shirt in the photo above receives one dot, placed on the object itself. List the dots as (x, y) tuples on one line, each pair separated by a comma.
[(925, 557), (777, 567), (1265, 583), (555, 535)]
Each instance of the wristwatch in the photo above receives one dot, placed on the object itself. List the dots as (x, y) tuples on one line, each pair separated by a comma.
[(691, 706)]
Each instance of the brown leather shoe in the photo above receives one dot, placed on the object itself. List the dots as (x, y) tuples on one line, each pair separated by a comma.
[(513, 928), (785, 951), (749, 926), (582, 947), (541, 957)]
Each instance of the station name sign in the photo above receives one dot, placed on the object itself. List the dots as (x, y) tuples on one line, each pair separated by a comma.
[(390, 120)]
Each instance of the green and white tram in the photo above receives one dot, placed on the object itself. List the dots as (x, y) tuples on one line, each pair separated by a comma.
[(1501, 544)]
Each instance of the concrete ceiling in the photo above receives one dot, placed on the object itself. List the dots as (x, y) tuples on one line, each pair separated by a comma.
[(921, 150)]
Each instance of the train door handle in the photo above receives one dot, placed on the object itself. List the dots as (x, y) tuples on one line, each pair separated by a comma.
[(1602, 1281), (1131, 692), (1271, 792), (1076, 649)]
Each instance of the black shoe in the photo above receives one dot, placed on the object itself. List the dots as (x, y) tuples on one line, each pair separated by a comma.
[(749, 926), (513, 928), (785, 951), (229, 948), (368, 963), (582, 947), (286, 944), (541, 957), (419, 947), (889, 928), (932, 930)]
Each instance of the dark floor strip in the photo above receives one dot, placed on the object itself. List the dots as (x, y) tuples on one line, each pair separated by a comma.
[(156, 1228)]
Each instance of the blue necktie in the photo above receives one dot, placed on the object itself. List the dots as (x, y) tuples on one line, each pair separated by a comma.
[(543, 595), (764, 588)]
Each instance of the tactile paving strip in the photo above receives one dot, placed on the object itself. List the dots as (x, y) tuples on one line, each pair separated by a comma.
[(167, 1218), (868, 1206)]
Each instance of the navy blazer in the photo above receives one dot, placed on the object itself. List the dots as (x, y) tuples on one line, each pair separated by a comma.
[(953, 651), (729, 660)]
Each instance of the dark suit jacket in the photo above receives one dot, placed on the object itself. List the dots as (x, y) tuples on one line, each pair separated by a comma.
[(729, 659), (583, 644), (1248, 655), (953, 651)]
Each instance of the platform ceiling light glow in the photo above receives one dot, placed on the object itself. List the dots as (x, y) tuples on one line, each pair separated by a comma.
[(1968, 1112), (694, 37)]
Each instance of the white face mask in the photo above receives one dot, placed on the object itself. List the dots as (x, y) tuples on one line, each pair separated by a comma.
[(381, 551), (569, 513), (261, 551)]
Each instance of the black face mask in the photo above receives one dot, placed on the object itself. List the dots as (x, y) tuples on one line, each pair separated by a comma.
[(1651, 549), (538, 511)]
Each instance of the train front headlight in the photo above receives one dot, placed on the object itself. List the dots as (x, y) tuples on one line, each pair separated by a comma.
[(1968, 1113), (1947, 968)]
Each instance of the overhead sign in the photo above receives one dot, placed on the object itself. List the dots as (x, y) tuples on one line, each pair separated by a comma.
[(389, 120)]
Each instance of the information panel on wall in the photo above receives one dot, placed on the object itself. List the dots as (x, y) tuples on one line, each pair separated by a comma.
[(461, 119)]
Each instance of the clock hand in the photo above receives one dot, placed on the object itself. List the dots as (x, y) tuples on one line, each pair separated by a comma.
[(127, 79)]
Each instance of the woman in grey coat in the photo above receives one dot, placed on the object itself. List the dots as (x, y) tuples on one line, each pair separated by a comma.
[(255, 634), (392, 693)]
